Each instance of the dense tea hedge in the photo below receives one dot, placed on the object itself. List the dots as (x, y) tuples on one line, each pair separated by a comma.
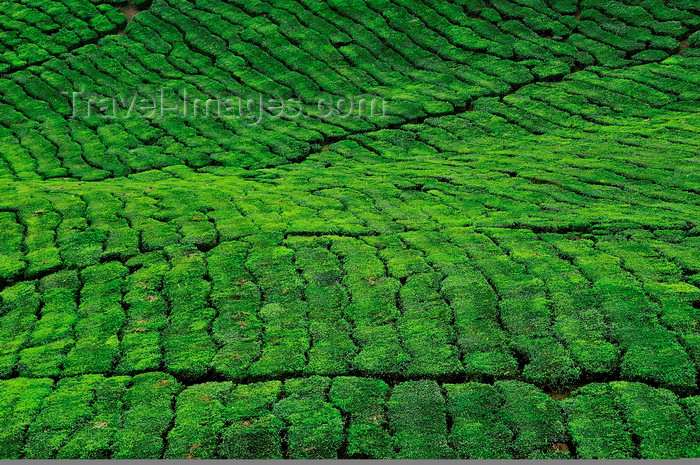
[(430, 283), (152, 415), (453, 54), (487, 303)]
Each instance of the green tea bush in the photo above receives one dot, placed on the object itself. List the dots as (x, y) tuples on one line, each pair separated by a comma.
[(596, 426), (691, 407), (200, 415), (332, 348), (253, 431), (653, 416), (483, 343), (21, 402), (63, 411), (237, 328), (314, 426), (372, 310), (380, 351), (578, 321), (147, 416), (20, 304), (286, 340), (101, 316), (536, 419), (424, 328), (477, 430), (12, 236), (122, 417), (94, 440), (363, 400), (417, 415), (141, 345), (633, 321), (187, 343)]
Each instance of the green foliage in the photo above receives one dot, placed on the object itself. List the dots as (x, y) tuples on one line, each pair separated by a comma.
[(93, 416), (101, 316), (314, 427), (94, 440), (654, 416), (20, 304), (19, 403), (286, 340), (199, 419), (424, 330), (692, 409), (535, 419), (237, 327), (65, 412), (147, 416), (186, 341), (523, 220), (254, 432), (417, 415), (364, 401), (478, 432), (596, 426)]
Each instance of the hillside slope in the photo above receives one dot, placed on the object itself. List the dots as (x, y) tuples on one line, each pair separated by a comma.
[(504, 265)]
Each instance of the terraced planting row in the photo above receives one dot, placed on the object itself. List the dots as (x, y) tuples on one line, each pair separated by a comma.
[(153, 416), (222, 297), (426, 59), (37, 30)]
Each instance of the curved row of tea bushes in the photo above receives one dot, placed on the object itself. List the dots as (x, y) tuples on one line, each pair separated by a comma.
[(195, 288), (37, 30), (423, 59), (152, 416)]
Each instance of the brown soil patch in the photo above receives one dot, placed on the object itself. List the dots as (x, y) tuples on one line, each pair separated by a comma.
[(129, 10), (559, 446), (562, 393), (559, 395), (684, 45)]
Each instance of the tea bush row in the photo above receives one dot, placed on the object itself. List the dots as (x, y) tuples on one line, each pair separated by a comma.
[(153, 416)]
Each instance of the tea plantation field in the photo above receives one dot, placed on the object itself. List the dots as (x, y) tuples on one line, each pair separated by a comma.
[(504, 265)]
